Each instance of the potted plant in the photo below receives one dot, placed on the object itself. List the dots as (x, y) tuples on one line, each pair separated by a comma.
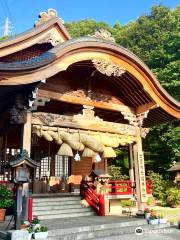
[(153, 219), (5, 201), (35, 223), (41, 233), (147, 213), (162, 219), (30, 231), (23, 225)]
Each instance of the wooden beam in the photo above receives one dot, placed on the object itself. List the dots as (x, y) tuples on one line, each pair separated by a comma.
[(48, 119), (83, 101), (145, 107)]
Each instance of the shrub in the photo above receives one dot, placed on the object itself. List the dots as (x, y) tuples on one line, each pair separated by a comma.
[(158, 185), (41, 229), (5, 197), (116, 174), (35, 220), (150, 201), (30, 229), (126, 203), (173, 197)]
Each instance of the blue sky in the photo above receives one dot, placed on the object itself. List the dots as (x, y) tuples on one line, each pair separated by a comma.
[(23, 13)]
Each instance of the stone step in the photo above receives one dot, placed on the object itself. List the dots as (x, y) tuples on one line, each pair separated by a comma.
[(149, 232), (101, 232), (57, 207), (61, 211), (67, 215), (56, 199), (56, 203)]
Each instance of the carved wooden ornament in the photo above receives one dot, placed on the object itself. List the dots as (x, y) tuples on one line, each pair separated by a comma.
[(144, 132), (52, 38), (104, 34), (45, 16), (108, 68), (87, 114), (135, 120)]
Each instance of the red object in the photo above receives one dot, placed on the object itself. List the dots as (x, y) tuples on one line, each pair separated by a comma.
[(88, 193), (117, 187), (101, 205), (2, 214), (148, 186), (30, 205)]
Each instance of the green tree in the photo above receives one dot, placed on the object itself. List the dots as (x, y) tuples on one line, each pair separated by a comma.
[(85, 27), (155, 39)]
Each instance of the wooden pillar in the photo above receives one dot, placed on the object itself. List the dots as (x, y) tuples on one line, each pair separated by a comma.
[(131, 163), (139, 172), (25, 145), (26, 134), (18, 212)]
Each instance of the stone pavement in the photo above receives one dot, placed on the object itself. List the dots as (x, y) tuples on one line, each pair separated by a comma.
[(158, 234), (84, 221), (106, 228)]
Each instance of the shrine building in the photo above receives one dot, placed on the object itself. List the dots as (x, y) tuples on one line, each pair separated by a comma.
[(70, 103)]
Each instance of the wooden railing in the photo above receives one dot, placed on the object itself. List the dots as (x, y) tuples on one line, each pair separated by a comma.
[(88, 193), (112, 187), (116, 187)]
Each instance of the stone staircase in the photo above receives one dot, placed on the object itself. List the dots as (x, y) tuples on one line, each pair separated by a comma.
[(80, 229), (52, 207)]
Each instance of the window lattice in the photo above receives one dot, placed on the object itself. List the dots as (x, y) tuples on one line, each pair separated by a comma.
[(61, 166), (44, 166)]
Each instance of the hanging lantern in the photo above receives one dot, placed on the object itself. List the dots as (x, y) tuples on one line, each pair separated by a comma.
[(65, 150), (77, 157), (98, 158)]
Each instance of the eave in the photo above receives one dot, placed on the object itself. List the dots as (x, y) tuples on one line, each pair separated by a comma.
[(162, 106), (33, 36)]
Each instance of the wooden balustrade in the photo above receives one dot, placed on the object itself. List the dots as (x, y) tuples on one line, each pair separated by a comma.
[(88, 193), (117, 187)]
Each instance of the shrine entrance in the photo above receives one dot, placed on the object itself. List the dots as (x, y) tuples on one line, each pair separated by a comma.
[(52, 175)]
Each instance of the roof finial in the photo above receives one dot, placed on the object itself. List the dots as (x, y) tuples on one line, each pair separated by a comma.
[(104, 34), (45, 16)]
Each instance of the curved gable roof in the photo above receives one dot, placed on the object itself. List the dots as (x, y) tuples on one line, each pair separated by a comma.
[(34, 36), (87, 48)]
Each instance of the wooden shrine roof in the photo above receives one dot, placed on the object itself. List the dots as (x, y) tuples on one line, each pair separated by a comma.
[(46, 29), (54, 53)]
